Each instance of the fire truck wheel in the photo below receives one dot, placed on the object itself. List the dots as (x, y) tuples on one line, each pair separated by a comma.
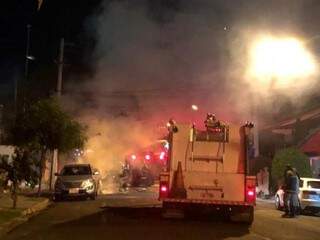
[(246, 216)]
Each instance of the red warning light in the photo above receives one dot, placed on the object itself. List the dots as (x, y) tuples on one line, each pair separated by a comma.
[(162, 155)]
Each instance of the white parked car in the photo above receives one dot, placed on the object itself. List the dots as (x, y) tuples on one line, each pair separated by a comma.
[(309, 195)]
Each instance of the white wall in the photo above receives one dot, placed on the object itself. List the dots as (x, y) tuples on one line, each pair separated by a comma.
[(6, 150)]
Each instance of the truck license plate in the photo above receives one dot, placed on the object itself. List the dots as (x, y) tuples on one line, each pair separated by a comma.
[(74, 190)]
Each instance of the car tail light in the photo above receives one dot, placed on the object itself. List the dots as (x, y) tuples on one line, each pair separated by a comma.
[(164, 185)]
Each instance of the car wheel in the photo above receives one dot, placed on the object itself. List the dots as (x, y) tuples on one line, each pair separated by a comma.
[(99, 192), (277, 203), (57, 198)]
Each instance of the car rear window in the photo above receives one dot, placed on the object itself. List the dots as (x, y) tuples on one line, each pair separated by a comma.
[(314, 184), (76, 170)]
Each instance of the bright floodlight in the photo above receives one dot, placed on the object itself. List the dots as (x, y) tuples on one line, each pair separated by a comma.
[(283, 59)]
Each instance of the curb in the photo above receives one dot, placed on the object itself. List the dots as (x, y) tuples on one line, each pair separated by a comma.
[(25, 216), (36, 208)]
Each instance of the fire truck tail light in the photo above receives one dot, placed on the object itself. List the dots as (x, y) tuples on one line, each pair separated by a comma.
[(250, 193), (163, 188), (250, 189)]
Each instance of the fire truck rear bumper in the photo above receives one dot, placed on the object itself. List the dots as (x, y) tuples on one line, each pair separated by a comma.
[(236, 211)]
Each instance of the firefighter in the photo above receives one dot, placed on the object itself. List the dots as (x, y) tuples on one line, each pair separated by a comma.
[(172, 127), (146, 175), (211, 121)]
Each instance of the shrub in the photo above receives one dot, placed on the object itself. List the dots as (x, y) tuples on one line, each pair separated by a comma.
[(293, 157)]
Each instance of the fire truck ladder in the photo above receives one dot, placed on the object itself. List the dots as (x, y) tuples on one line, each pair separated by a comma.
[(218, 158)]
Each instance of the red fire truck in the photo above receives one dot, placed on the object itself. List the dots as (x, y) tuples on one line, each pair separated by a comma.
[(209, 168), (145, 164)]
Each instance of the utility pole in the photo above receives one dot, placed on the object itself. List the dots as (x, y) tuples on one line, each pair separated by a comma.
[(26, 75), (26, 69), (60, 67), (55, 157)]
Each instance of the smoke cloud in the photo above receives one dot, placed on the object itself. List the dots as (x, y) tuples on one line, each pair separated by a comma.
[(153, 63)]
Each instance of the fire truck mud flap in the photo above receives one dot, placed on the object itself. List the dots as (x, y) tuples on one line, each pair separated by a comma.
[(243, 215), (172, 211)]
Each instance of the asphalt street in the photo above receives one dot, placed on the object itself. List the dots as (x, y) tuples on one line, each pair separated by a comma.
[(137, 214)]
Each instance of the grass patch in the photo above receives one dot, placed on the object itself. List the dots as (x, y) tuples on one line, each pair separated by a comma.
[(7, 215)]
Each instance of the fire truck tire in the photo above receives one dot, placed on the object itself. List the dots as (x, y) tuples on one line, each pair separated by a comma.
[(246, 216)]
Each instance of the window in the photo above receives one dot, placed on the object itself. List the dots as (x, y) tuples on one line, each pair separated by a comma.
[(314, 184), (76, 170)]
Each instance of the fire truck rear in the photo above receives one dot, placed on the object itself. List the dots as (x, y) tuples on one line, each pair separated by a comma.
[(209, 168)]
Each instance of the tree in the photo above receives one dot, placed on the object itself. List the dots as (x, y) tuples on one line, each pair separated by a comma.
[(44, 126), (22, 167), (293, 157)]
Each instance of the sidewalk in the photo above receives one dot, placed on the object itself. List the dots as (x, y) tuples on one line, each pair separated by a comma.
[(26, 207)]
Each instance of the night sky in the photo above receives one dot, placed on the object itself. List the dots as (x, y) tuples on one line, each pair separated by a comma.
[(78, 22)]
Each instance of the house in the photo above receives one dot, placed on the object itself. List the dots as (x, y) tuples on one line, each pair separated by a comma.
[(302, 131), (311, 147)]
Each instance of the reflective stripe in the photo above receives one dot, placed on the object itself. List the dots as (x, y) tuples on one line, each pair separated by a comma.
[(202, 201)]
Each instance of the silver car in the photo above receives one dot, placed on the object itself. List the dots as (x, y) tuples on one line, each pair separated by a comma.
[(77, 180)]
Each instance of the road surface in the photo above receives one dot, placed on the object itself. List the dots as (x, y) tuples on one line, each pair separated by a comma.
[(137, 215)]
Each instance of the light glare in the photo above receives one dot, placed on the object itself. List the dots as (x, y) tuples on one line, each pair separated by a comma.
[(194, 107), (280, 59)]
